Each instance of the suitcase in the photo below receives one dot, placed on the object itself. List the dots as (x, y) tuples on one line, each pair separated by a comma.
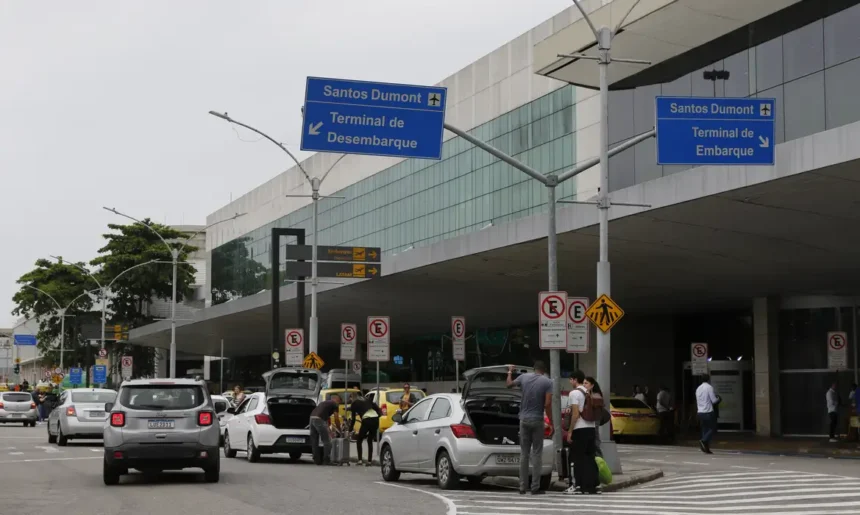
[(340, 450)]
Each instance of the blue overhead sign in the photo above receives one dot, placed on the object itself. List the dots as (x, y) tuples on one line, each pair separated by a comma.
[(374, 118), (76, 375), (25, 339), (100, 374), (715, 131)]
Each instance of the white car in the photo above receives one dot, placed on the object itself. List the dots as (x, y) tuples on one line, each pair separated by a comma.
[(222, 405), (277, 420), (80, 413), (454, 437)]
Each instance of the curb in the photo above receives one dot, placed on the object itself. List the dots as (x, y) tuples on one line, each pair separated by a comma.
[(634, 479)]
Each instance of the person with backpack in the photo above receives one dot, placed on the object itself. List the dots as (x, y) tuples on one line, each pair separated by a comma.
[(585, 410)]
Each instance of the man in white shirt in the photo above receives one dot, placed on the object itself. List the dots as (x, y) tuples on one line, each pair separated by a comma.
[(664, 412), (705, 400), (582, 440), (832, 399)]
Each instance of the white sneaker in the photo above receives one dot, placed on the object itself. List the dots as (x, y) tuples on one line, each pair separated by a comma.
[(571, 490), (834, 440)]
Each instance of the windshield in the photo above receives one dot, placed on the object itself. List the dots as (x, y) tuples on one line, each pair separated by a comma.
[(395, 397), (94, 397), (17, 397), (162, 397), (293, 381)]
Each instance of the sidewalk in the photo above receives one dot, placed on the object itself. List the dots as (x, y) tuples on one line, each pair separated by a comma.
[(786, 446)]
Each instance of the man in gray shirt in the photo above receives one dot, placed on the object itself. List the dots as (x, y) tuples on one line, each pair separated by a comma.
[(537, 399)]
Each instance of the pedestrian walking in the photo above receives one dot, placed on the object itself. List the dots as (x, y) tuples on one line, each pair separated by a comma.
[(369, 413), (832, 398), (582, 437), (593, 388), (536, 400), (320, 427), (665, 413), (706, 400)]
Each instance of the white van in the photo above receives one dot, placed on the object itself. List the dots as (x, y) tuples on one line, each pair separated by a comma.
[(335, 379)]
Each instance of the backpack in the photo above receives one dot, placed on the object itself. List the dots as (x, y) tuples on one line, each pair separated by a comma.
[(592, 411)]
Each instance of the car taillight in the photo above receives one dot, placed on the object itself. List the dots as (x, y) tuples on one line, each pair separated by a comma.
[(619, 414), (384, 410), (117, 419), (263, 419), (1, 405), (463, 431), (32, 405), (70, 411), (204, 418)]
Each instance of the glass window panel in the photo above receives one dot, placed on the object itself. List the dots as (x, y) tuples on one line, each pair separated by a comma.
[(738, 83), (703, 87), (681, 87), (804, 106), (803, 51), (841, 36), (769, 64), (777, 94), (843, 106), (643, 108)]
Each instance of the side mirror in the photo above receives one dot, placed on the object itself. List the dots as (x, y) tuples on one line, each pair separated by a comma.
[(108, 407), (397, 418)]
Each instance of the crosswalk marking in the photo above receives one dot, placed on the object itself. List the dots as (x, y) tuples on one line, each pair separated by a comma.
[(725, 493)]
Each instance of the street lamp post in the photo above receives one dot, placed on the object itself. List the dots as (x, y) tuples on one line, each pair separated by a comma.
[(315, 184), (62, 312), (174, 255)]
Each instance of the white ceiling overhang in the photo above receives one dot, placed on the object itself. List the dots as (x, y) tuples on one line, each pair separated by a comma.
[(655, 31)]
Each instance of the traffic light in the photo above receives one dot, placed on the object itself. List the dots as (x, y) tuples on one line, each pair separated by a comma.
[(16, 369)]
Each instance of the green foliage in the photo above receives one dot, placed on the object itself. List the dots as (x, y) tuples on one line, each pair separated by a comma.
[(68, 285)]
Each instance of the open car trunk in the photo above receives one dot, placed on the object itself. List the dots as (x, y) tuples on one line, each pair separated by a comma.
[(291, 395), (492, 407)]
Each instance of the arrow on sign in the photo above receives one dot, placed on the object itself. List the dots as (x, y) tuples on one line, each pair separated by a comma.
[(372, 254), (314, 129), (765, 141), (372, 271)]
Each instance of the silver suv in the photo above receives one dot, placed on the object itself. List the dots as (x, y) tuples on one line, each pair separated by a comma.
[(161, 424)]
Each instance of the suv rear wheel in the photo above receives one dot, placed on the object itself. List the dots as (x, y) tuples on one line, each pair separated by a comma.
[(213, 472), (110, 475)]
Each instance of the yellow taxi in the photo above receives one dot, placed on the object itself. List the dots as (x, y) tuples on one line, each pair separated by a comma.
[(325, 395), (632, 417), (389, 402)]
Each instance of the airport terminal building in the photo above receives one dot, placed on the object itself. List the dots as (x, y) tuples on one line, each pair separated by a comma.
[(759, 262)]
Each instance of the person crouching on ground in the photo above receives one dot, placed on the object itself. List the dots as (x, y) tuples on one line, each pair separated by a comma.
[(320, 420)]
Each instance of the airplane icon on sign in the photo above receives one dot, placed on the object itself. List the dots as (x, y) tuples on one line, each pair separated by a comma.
[(434, 99), (764, 110)]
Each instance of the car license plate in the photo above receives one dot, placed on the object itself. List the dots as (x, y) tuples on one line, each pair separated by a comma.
[(507, 459), (294, 439), (97, 414), (160, 424)]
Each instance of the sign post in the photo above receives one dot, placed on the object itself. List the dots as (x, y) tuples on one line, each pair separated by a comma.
[(348, 333), (458, 345), (294, 349), (378, 347), (715, 131), (577, 325), (699, 359), (552, 307), (837, 350), (127, 367)]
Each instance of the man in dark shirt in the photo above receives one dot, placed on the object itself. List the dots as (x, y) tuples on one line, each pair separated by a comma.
[(369, 413), (320, 426)]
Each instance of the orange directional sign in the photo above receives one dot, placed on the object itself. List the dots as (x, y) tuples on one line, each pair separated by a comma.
[(345, 270), (329, 253), (604, 313)]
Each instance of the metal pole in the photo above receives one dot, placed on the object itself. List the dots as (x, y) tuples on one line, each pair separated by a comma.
[(104, 308), (457, 373), (554, 358), (603, 272), (63, 336), (175, 254), (377, 397), (221, 378), (315, 187), (854, 333)]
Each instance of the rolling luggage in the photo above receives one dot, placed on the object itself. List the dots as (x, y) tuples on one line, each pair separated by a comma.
[(340, 449)]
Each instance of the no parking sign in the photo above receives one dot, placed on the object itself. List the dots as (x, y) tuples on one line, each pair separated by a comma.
[(837, 350), (294, 348)]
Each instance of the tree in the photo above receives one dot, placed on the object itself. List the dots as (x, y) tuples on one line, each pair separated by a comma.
[(235, 273), (66, 283), (131, 292)]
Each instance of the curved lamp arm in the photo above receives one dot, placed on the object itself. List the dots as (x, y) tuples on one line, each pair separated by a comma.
[(151, 228), (129, 269), (82, 269), (187, 240), (59, 307)]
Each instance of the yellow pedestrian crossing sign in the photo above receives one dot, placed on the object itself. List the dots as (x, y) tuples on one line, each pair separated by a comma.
[(313, 360), (604, 313)]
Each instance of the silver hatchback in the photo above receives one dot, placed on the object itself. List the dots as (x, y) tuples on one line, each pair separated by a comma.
[(161, 424), (18, 407)]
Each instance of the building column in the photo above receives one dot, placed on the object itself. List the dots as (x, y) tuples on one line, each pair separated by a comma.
[(765, 342), (161, 365)]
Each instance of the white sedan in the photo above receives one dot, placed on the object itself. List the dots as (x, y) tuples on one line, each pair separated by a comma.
[(80, 413), (222, 405), (454, 437)]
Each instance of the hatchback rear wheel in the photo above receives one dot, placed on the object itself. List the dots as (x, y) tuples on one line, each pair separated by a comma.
[(229, 451), (253, 452), (446, 477)]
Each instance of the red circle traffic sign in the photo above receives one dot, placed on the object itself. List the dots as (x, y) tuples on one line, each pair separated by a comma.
[(378, 327), (578, 307), (126, 361), (294, 338), (348, 333), (102, 353), (699, 350), (549, 304), (837, 341), (458, 328)]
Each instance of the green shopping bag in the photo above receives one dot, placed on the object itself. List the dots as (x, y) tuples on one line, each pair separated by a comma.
[(603, 471)]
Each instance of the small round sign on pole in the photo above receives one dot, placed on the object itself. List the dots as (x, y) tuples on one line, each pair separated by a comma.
[(102, 353), (700, 350)]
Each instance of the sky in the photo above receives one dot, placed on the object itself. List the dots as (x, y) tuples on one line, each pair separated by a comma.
[(104, 103)]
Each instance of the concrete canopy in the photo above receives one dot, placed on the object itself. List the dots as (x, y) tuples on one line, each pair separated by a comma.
[(655, 31), (714, 237)]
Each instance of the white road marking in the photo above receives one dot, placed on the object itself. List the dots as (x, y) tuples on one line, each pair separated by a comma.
[(97, 450), (452, 509), (746, 468), (694, 463), (15, 453), (49, 450), (50, 459), (21, 438)]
